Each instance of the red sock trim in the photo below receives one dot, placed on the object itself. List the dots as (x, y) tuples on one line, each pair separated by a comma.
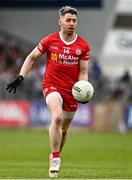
[(56, 154)]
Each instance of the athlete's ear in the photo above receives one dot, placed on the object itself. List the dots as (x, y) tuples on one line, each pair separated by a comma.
[(59, 22)]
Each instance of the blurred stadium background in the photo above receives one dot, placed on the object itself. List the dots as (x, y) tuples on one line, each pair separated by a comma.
[(107, 26)]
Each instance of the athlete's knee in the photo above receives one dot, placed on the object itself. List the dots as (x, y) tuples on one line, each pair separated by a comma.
[(58, 119)]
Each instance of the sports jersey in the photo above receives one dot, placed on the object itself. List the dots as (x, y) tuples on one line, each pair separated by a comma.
[(62, 66)]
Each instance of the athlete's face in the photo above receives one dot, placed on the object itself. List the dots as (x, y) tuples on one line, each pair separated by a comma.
[(68, 23)]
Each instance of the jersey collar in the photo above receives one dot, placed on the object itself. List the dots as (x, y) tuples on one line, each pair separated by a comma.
[(67, 43)]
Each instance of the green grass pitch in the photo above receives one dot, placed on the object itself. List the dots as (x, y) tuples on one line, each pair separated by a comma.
[(24, 154)]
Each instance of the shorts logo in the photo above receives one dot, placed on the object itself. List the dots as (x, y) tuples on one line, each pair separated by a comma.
[(73, 105), (78, 52), (45, 90), (51, 88), (54, 57)]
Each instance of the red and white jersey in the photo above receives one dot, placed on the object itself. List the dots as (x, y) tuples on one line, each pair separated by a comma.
[(63, 60)]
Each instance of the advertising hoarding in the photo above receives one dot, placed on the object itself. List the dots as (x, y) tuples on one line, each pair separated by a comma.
[(39, 115), (14, 113), (128, 117)]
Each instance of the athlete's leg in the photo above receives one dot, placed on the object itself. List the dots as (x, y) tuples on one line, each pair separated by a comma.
[(54, 103), (64, 130), (68, 116)]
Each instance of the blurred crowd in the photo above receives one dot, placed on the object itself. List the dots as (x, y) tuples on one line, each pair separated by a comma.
[(107, 88), (12, 56)]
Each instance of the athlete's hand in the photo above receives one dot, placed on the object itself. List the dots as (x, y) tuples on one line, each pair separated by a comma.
[(13, 85), (83, 102)]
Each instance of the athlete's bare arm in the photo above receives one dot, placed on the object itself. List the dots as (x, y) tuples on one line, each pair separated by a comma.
[(29, 61), (83, 70)]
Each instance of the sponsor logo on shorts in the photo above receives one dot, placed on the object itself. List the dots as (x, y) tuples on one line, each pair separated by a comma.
[(73, 105)]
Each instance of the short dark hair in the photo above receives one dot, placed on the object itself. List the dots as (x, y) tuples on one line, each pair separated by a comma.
[(67, 9)]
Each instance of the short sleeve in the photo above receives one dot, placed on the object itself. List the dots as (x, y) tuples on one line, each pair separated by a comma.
[(86, 53), (43, 44)]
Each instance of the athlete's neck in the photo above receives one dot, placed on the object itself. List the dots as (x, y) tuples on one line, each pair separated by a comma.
[(68, 37)]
